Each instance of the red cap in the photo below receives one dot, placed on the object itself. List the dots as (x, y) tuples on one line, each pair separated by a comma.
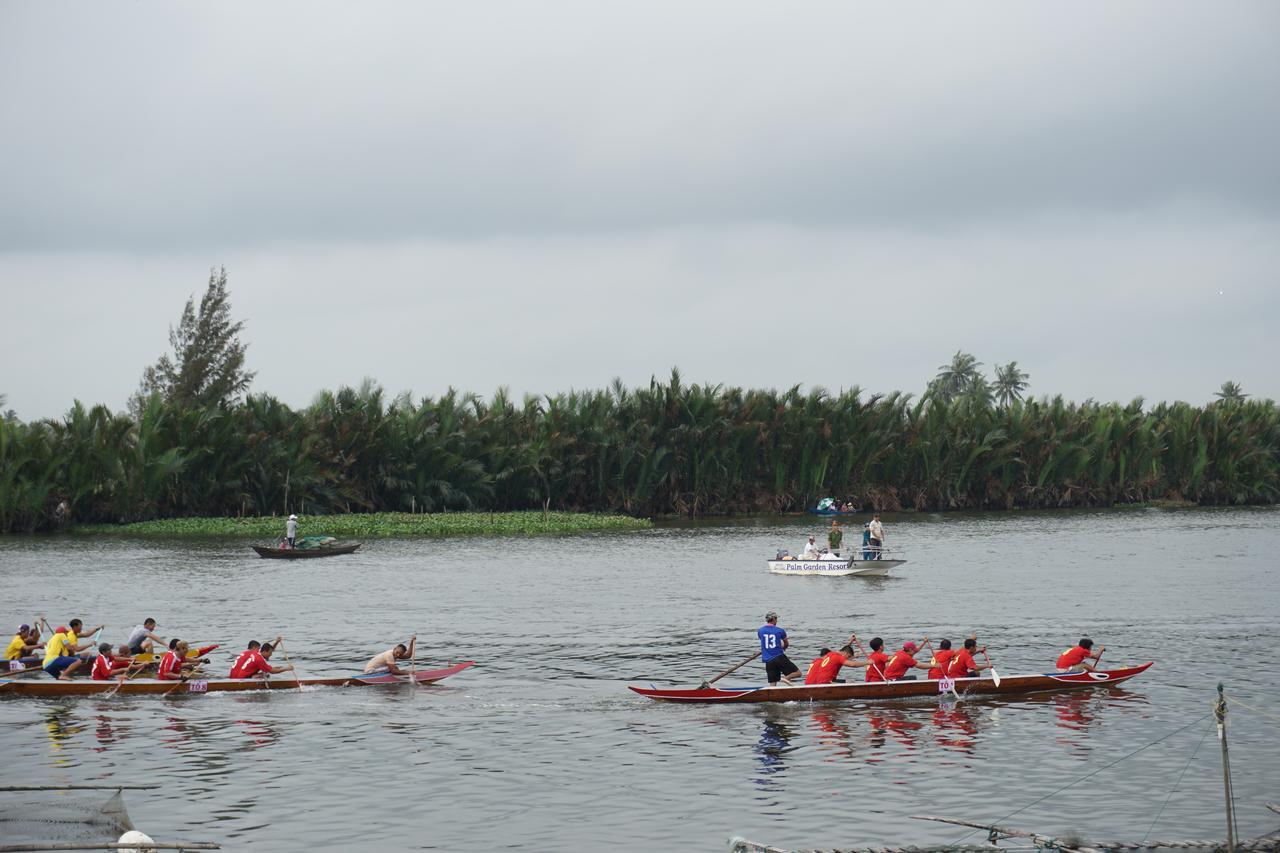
[(908, 647), (61, 629)]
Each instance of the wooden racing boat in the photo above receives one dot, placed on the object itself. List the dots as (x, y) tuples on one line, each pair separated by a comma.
[(980, 686), (277, 553), (284, 681)]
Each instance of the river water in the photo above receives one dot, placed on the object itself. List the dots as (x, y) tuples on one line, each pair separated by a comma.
[(541, 747)]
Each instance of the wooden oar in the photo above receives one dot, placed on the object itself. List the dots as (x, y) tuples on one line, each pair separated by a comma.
[(710, 681), (184, 679), (135, 670), (280, 646), (995, 676)]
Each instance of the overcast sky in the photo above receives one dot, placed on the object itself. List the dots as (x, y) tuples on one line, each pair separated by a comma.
[(545, 196)]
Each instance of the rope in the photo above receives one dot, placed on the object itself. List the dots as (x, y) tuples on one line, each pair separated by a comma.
[(1235, 701), (1089, 775), (1178, 782)]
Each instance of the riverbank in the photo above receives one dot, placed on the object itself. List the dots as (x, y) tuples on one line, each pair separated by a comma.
[(379, 525)]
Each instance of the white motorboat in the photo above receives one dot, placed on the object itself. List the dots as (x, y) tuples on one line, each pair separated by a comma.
[(832, 564)]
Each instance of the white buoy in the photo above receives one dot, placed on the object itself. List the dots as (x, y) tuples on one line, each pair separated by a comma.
[(135, 837)]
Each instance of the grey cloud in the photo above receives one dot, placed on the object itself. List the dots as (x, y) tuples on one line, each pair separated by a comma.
[(154, 126)]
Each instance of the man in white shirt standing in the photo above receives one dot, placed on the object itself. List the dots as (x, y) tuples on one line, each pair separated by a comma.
[(291, 530), (877, 535)]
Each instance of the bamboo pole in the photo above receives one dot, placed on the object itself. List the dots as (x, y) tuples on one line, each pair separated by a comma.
[(1220, 713)]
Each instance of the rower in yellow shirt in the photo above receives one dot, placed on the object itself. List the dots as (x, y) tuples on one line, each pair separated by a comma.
[(57, 662), (22, 645)]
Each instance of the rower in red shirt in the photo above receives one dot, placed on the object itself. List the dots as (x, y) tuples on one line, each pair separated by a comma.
[(902, 661), (1076, 659), (962, 664), (174, 662), (825, 668), (255, 662), (941, 657), (105, 666), (877, 660)]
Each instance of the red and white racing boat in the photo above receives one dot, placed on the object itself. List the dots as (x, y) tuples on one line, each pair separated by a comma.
[(981, 686), (44, 686)]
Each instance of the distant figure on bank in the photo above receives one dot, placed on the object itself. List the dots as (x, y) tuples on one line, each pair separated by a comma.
[(291, 530), (386, 662), (876, 529), (834, 536), (1077, 659)]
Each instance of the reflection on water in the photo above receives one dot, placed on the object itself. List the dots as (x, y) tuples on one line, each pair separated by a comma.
[(515, 752)]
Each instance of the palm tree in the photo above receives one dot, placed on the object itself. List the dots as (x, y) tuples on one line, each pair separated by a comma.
[(1231, 393), (1010, 383), (954, 378)]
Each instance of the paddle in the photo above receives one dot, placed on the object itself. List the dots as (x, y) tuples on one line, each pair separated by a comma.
[(413, 658), (10, 672), (995, 676), (134, 669), (280, 646), (710, 681), (183, 680)]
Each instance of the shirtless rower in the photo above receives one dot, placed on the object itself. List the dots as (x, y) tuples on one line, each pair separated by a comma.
[(386, 662)]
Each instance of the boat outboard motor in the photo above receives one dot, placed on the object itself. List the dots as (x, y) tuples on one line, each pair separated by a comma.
[(782, 553)]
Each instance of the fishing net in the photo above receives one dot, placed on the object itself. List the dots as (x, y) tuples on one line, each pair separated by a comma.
[(315, 542), (44, 817)]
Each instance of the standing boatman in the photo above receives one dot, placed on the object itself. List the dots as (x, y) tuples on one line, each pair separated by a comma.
[(773, 647), (876, 529), (834, 536), (291, 530)]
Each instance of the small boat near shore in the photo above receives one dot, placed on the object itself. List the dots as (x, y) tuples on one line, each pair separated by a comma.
[(312, 546), (925, 687), (836, 566), (86, 687)]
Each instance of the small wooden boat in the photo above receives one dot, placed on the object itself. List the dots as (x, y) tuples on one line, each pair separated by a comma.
[(837, 567), (278, 553), (863, 691), (88, 687)]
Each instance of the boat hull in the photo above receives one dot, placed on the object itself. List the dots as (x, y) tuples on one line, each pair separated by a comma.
[(303, 553), (864, 691), (44, 686), (833, 568)]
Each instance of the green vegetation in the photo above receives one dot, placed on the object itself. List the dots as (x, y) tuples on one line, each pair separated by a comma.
[(668, 448), (380, 525)]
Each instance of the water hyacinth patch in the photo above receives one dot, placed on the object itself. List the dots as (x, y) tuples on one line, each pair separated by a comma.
[(380, 525)]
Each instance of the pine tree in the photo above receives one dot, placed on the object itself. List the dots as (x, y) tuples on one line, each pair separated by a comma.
[(207, 363)]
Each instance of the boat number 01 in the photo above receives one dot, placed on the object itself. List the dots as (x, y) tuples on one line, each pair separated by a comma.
[(197, 686), (946, 685)]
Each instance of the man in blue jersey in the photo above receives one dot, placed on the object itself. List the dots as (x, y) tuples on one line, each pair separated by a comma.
[(773, 646)]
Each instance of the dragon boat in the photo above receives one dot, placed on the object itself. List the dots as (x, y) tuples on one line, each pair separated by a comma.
[(88, 687), (904, 689)]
